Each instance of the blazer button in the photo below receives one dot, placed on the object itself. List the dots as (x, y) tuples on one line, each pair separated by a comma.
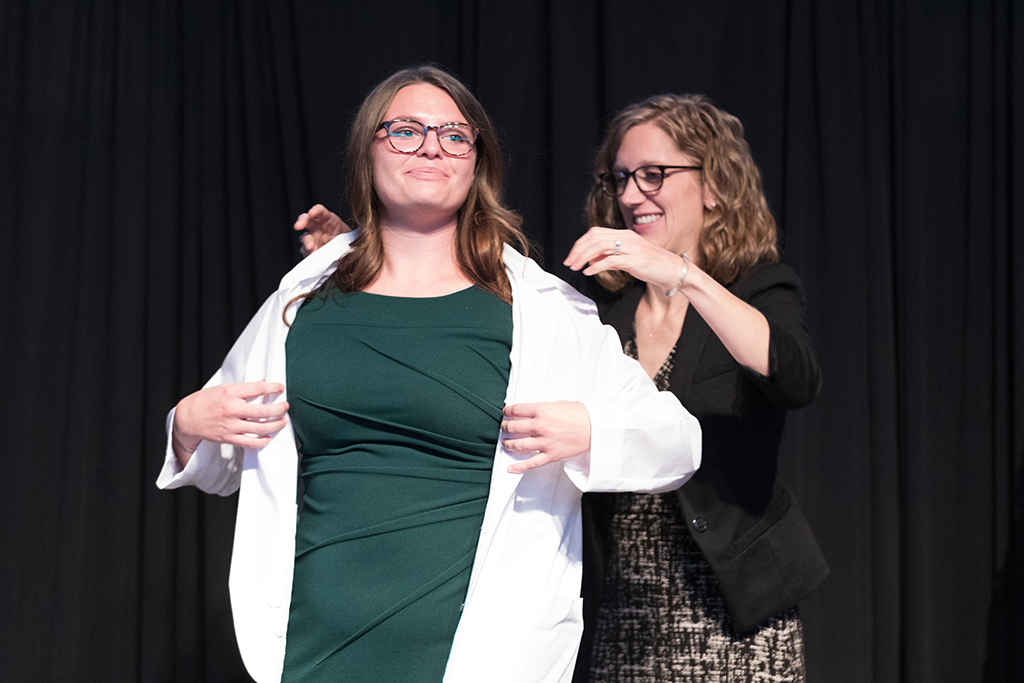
[(700, 524)]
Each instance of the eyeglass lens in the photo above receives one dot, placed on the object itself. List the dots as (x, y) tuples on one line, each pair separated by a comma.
[(408, 136), (648, 179)]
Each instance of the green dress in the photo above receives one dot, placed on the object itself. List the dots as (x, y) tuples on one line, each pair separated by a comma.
[(396, 403)]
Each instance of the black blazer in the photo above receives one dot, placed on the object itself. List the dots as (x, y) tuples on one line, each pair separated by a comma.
[(749, 526)]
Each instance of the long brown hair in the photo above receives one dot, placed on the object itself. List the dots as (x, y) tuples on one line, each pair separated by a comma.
[(739, 231), (484, 224)]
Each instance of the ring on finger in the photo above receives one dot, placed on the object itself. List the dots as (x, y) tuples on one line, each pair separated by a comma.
[(618, 244)]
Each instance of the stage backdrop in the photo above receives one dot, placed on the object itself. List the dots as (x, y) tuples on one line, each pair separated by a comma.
[(154, 154)]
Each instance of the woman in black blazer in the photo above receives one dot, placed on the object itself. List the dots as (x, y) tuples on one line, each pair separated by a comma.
[(700, 584)]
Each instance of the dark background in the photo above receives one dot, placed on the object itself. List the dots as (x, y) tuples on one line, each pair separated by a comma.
[(153, 156)]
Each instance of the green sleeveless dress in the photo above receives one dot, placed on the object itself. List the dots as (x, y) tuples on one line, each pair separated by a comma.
[(396, 403)]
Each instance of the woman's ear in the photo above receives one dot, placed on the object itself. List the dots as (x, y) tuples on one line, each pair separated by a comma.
[(707, 196)]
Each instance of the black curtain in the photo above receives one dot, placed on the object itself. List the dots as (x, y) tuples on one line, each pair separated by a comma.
[(153, 156)]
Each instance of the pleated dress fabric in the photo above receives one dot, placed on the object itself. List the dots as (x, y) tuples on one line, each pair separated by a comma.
[(396, 403), (663, 618)]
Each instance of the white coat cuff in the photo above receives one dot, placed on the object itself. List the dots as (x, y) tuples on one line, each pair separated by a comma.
[(210, 468), (611, 465)]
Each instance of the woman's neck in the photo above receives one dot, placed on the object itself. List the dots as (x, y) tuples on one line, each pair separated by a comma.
[(420, 261)]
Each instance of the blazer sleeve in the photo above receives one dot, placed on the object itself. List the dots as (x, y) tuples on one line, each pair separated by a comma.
[(794, 377)]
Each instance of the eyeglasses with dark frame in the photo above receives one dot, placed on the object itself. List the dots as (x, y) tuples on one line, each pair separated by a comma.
[(408, 135), (647, 178)]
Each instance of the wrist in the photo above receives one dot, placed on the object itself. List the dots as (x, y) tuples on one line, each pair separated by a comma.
[(182, 443), (681, 279)]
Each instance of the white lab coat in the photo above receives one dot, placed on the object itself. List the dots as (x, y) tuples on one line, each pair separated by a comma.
[(522, 619)]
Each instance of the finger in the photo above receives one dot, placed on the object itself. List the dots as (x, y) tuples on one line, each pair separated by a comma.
[(578, 259), (531, 463), (593, 234), (594, 247), (259, 427), (249, 390), (580, 253), (603, 263), (518, 427), (309, 242), (522, 444), (317, 212), (247, 441), (301, 222), (520, 410), (263, 412)]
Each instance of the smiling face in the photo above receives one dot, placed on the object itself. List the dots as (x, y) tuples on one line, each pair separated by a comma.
[(428, 186), (671, 217)]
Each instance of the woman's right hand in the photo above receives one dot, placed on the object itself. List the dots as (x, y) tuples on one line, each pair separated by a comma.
[(595, 252), (222, 414), (321, 226)]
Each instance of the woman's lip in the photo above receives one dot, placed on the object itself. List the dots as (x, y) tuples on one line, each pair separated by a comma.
[(427, 172)]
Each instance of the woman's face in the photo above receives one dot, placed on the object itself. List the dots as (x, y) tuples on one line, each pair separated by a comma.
[(671, 217), (428, 185)]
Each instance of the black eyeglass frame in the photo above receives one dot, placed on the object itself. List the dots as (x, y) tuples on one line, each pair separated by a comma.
[(605, 178), (386, 125)]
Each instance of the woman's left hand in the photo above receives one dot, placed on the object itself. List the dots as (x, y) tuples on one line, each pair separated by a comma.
[(554, 431), (318, 226), (637, 256)]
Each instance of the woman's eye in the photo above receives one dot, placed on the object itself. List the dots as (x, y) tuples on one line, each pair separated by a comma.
[(405, 131), (650, 175), (456, 134)]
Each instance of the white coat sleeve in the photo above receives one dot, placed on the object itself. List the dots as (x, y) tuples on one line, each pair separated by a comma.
[(215, 467), (641, 439)]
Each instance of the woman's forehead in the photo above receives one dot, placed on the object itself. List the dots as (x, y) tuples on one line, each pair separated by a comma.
[(647, 144), (425, 103)]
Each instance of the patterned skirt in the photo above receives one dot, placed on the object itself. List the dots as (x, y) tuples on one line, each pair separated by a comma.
[(663, 617)]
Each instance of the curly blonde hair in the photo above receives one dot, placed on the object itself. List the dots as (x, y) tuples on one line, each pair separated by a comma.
[(739, 231)]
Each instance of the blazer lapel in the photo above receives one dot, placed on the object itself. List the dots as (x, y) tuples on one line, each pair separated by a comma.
[(691, 342), (689, 347)]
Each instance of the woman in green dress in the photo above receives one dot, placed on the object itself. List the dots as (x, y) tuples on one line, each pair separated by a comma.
[(424, 549)]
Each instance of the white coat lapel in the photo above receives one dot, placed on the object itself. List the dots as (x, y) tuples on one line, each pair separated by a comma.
[(533, 339), (267, 498)]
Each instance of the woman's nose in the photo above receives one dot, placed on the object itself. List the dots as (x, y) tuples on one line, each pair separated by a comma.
[(431, 146)]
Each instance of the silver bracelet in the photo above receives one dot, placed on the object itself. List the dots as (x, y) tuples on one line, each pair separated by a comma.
[(682, 277)]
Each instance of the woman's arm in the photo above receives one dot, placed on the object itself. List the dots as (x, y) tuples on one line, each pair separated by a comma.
[(209, 429), (742, 328), (612, 430), (222, 414), (642, 439)]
